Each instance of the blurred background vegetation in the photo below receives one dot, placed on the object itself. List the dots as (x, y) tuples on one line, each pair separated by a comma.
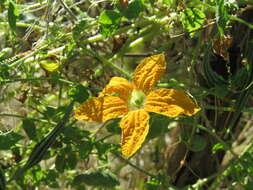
[(54, 54)]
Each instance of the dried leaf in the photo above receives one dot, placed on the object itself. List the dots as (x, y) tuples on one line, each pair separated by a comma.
[(221, 46)]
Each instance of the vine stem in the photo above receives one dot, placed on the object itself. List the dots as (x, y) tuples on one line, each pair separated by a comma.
[(227, 169), (107, 62), (213, 133), (24, 117), (23, 25), (29, 8), (68, 10), (35, 79), (134, 166)]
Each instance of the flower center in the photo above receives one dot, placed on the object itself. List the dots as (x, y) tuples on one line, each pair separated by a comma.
[(137, 100)]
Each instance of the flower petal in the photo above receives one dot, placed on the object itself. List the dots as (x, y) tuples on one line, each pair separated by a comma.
[(101, 109), (170, 102), (120, 86), (113, 107), (149, 71), (135, 128)]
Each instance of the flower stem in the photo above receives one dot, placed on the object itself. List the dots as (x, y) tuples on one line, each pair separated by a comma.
[(23, 25)]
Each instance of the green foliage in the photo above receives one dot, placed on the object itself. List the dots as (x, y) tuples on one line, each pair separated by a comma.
[(113, 127), (222, 15), (42, 147), (9, 139), (85, 148), (80, 29), (217, 147), (134, 9), (79, 93), (109, 21), (4, 71), (66, 160), (153, 185), (98, 179), (12, 15), (30, 129), (103, 149), (159, 125), (192, 19), (52, 54)]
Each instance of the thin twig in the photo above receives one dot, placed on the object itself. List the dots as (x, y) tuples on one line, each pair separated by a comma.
[(186, 33), (68, 10), (134, 166), (27, 118)]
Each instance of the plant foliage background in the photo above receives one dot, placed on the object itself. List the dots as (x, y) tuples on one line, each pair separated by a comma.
[(56, 54)]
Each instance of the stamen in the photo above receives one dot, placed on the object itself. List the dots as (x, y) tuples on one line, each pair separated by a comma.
[(137, 100)]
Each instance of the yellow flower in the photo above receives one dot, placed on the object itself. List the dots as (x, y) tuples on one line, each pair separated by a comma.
[(133, 100)]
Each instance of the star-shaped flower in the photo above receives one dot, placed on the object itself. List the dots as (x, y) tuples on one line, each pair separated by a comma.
[(134, 100)]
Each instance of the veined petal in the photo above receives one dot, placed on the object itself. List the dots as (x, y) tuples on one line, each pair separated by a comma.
[(135, 126), (90, 110), (101, 109), (170, 102), (149, 71), (120, 86), (113, 107)]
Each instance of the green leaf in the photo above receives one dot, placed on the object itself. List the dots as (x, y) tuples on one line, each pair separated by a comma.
[(71, 160), (7, 140), (85, 148), (159, 125), (153, 185), (217, 147), (75, 134), (133, 10), (109, 17), (109, 21), (4, 71), (29, 128), (103, 149), (51, 179), (80, 29), (50, 112), (12, 15), (98, 179), (222, 15), (113, 126), (79, 93), (66, 160), (60, 163), (41, 148), (192, 19)]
